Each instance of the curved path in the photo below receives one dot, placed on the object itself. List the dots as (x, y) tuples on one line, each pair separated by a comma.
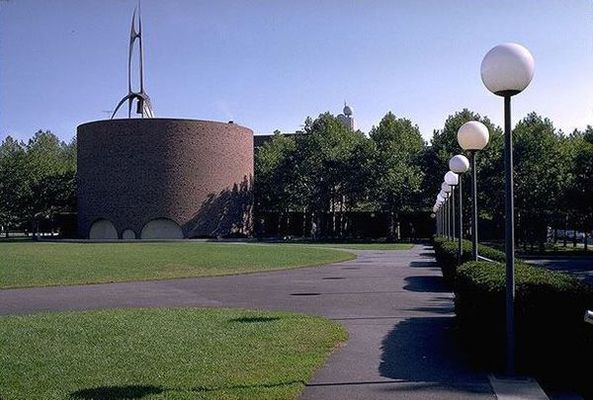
[(400, 319)]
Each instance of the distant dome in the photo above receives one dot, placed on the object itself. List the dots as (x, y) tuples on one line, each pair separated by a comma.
[(347, 110)]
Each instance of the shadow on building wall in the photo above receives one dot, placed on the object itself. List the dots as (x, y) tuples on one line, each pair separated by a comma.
[(224, 214)]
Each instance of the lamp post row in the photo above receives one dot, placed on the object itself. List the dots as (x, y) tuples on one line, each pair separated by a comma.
[(506, 70)]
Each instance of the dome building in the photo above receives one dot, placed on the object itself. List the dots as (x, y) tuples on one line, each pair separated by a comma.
[(346, 118)]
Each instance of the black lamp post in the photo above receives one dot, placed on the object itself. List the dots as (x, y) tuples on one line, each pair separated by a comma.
[(439, 204), (473, 136), (507, 70), (452, 180), (459, 164), (446, 193)]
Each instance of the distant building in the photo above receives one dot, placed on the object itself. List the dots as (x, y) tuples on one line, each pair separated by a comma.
[(346, 118)]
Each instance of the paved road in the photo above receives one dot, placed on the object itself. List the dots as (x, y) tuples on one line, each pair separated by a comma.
[(578, 266), (402, 337)]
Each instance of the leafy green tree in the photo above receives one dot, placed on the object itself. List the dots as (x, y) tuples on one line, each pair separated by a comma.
[(490, 166), (579, 192), (329, 170), (332, 162), (51, 167), (567, 213), (397, 174), (323, 171), (273, 170), (539, 173), (13, 183)]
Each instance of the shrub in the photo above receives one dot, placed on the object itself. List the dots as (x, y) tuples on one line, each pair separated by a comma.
[(552, 340), (446, 255)]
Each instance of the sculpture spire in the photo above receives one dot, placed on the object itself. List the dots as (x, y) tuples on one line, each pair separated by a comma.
[(144, 107)]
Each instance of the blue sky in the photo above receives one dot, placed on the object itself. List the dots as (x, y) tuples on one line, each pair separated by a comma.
[(269, 64)]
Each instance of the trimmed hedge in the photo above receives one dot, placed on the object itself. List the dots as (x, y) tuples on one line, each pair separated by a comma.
[(446, 255), (553, 342)]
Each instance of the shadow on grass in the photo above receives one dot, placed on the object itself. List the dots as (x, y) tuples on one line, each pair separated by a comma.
[(246, 320), (240, 387), (130, 392), (117, 392)]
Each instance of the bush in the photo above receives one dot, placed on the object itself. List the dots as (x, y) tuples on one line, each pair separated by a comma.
[(446, 255), (552, 340)]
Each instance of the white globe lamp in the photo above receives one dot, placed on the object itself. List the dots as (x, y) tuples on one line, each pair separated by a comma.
[(473, 136), (451, 178), (459, 164), (507, 69)]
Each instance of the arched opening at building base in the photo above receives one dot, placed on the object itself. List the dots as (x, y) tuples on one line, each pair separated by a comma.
[(161, 228)]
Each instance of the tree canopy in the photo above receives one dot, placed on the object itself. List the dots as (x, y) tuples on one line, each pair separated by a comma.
[(328, 168), (37, 179)]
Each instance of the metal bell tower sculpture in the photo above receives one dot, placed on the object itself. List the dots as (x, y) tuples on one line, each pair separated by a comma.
[(143, 105)]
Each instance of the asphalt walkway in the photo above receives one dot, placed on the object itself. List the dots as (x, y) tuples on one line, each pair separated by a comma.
[(399, 316)]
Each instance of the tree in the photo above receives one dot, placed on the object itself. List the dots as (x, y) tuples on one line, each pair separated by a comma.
[(397, 172), (490, 166), (323, 172), (538, 173), (332, 162), (579, 191), (51, 166), (273, 168), (566, 210), (13, 183)]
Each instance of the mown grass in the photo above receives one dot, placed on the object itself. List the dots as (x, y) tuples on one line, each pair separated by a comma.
[(162, 354), (27, 264)]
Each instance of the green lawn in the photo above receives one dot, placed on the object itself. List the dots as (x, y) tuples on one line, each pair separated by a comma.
[(366, 246), (25, 264), (162, 354)]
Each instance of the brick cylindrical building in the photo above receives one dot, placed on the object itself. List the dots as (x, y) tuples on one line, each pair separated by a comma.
[(164, 178)]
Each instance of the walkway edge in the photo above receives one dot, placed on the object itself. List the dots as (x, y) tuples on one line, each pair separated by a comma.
[(520, 388)]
